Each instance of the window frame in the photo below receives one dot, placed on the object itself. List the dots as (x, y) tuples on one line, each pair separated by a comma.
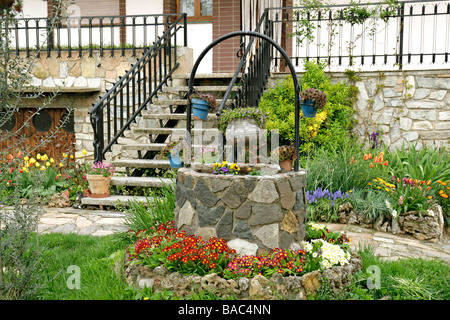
[(197, 13)]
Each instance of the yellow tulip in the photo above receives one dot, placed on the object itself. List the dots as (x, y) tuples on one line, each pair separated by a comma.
[(44, 157), (38, 156), (61, 164), (48, 164), (32, 160), (26, 158), (37, 164), (52, 160), (84, 151), (65, 155), (71, 156)]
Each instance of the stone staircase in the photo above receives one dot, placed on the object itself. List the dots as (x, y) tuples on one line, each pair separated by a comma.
[(164, 120)]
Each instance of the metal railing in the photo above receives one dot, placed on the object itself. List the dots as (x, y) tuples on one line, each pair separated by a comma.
[(125, 101), (76, 35), (409, 34)]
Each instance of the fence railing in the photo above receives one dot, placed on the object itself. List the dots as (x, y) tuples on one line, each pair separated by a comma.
[(75, 35), (125, 101), (407, 34)]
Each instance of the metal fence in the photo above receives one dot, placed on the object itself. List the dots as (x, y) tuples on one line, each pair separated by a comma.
[(406, 35), (108, 34)]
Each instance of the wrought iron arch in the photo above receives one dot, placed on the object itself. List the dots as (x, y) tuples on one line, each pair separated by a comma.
[(288, 63)]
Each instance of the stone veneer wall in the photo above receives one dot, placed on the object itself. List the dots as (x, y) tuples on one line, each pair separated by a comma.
[(256, 288), (405, 106), (236, 207)]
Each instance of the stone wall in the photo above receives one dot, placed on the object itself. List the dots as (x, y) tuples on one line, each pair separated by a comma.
[(256, 288), (405, 106), (235, 207)]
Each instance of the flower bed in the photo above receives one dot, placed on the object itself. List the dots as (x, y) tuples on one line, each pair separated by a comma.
[(167, 259)]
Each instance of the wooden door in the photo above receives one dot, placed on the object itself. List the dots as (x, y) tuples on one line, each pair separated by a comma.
[(32, 132)]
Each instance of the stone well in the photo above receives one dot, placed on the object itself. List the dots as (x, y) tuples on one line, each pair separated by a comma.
[(252, 213)]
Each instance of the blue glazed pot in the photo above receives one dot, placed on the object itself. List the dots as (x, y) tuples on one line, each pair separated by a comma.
[(175, 161), (308, 109), (200, 108)]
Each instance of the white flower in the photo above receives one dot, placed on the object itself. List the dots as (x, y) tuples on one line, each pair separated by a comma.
[(430, 212), (388, 205), (394, 213)]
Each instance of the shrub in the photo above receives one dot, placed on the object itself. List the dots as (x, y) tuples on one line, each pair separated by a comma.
[(241, 113), (330, 125)]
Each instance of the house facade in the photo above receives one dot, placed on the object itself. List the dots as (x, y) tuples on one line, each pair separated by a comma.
[(207, 20)]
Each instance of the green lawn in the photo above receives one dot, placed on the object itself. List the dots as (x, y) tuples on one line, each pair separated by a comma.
[(91, 255)]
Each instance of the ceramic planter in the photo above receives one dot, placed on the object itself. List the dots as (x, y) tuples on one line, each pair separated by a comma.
[(309, 109), (200, 109), (98, 185), (175, 161), (286, 165)]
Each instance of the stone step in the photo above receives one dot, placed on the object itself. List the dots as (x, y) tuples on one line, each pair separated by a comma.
[(144, 146), (142, 163), (156, 182), (113, 200), (172, 116), (178, 102), (198, 89), (217, 75), (169, 131)]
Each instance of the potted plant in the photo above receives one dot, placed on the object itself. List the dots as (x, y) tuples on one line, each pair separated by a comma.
[(202, 103), (253, 115), (312, 100), (99, 178), (174, 151), (286, 154)]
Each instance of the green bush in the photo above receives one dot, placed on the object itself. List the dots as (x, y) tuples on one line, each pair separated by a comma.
[(329, 127)]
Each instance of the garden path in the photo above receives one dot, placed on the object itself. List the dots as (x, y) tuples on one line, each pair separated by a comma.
[(387, 245)]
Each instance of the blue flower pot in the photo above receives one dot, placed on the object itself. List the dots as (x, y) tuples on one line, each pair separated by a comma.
[(200, 108), (175, 161), (308, 109)]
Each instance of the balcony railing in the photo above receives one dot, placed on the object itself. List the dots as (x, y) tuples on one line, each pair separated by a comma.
[(378, 36), (77, 35)]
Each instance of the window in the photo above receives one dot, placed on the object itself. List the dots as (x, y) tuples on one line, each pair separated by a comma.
[(197, 10)]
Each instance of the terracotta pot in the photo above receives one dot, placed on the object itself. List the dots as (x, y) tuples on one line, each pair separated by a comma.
[(98, 185), (286, 165)]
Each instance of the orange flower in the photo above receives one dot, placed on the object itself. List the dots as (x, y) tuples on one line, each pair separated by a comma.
[(428, 182), (385, 163), (371, 165)]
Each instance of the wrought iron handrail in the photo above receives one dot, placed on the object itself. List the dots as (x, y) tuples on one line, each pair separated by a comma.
[(124, 102), (253, 76)]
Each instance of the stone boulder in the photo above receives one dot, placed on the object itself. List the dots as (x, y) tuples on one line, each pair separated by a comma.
[(424, 227)]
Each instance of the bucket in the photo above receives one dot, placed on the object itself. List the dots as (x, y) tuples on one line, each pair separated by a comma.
[(200, 108), (308, 109)]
